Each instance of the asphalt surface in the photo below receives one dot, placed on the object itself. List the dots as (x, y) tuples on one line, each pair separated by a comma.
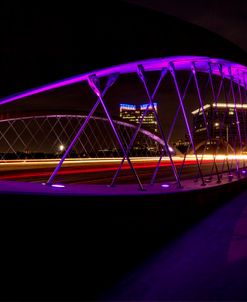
[(99, 171)]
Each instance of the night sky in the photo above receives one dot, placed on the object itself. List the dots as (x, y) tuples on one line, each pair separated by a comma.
[(227, 18), (46, 41)]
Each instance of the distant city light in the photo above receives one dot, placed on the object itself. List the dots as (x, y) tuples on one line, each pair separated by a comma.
[(127, 107), (221, 105), (200, 109), (216, 124), (230, 105), (144, 106), (61, 147)]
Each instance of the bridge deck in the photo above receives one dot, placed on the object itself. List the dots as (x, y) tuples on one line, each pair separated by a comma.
[(15, 187), (89, 243), (206, 263)]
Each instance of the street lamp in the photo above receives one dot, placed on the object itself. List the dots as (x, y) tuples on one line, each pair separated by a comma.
[(61, 148)]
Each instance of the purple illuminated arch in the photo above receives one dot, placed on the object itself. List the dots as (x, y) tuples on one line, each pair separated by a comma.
[(180, 63)]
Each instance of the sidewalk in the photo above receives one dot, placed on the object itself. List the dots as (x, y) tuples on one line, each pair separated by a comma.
[(207, 263)]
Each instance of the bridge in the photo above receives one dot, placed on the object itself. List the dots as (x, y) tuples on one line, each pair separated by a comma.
[(81, 191), (208, 108)]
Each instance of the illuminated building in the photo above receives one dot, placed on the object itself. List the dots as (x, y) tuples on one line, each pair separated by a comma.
[(182, 145), (130, 113), (133, 113), (222, 122)]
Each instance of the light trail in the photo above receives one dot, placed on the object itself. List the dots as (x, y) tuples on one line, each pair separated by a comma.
[(73, 161), (19, 170), (76, 161), (105, 168)]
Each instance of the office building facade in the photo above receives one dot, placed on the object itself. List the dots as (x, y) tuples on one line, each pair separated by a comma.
[(224, 122), (134, 113)]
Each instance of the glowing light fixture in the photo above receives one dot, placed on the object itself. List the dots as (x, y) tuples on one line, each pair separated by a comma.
[(165, 186), (200, 109), (221, 105), (127, 107), (230, 105), (144, 106), (61, 148), (58, 186)]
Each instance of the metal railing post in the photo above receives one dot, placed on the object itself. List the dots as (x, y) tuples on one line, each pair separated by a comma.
[(53, 175)]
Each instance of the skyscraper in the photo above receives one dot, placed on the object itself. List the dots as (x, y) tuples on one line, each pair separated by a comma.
[(224, 122), (134, 113)]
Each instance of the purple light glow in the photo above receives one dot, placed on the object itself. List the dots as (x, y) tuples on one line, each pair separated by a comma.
[(58, 186), (181, 63), (244, 171), (165, 186)]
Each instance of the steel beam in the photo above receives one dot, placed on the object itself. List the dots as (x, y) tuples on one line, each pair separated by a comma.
[(173, 73)]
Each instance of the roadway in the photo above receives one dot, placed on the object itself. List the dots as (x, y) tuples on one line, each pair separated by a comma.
[(99, 171)]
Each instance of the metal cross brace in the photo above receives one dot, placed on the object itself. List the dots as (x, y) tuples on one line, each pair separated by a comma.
[(94, 84), (173, 73), (170, 133), (141, 74), (111, 81)]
